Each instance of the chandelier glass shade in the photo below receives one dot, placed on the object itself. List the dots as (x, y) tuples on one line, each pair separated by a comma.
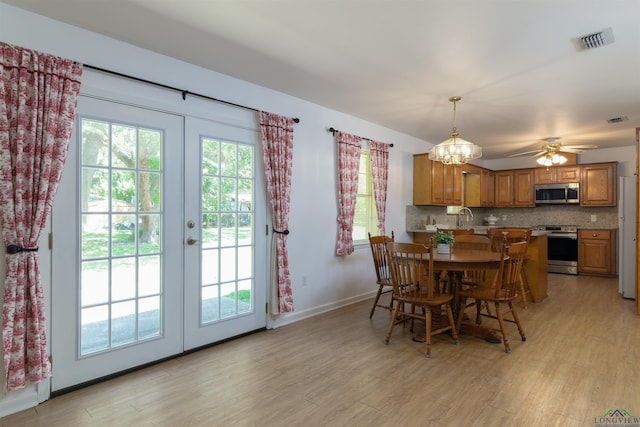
[(455, 150), (551, 159)]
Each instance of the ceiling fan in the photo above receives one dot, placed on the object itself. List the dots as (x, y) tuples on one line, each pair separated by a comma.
[(550, 154)]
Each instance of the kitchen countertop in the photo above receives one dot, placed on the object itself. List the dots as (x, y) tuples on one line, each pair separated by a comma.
[(482, 229)]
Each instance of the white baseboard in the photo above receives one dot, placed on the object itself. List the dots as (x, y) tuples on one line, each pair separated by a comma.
[(18, 400), (296, 316)]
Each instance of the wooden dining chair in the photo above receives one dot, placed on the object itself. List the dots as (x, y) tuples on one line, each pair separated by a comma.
[(411, 266), (383, 277), (480, 276), (443, 275), (503, 292), (497, 235), (478, 242)]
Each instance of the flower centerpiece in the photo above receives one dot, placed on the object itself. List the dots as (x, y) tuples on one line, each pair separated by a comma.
[(443, 241)]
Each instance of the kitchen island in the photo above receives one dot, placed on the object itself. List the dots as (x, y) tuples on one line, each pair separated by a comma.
[(535, 266)]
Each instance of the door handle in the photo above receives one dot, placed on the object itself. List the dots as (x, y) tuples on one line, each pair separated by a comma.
[(191, 241)]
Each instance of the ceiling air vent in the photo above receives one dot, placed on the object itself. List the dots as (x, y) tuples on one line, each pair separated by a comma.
[(599, 39), (618, 119)]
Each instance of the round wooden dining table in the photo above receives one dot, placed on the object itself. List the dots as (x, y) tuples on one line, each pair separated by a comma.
[(459, 260), (454, 264), (464, 259)]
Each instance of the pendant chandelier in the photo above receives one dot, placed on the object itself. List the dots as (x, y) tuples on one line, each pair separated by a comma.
[(455, 150)]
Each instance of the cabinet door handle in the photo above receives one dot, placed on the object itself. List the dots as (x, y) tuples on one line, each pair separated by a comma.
[(595, 234)]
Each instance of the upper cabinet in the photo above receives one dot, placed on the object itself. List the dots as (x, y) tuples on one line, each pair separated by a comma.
[(487, 188), (435, 183), (421, 179), (469, 185), (598, 185), (514, 188), (478, 189), (504, 189), (557, 174), (524, 192)]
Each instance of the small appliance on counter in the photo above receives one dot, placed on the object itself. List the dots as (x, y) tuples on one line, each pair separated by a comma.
[(491, 220)]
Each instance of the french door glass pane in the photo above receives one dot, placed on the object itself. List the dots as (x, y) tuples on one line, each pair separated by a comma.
[(121, 288), (227, 276)]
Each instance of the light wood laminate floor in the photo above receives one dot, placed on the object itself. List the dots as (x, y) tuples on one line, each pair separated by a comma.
[(580, 359)]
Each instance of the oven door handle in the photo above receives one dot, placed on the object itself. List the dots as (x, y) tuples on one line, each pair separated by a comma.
[(564, 235)]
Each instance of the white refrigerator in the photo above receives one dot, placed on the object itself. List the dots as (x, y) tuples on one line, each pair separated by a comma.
[(627, 236)]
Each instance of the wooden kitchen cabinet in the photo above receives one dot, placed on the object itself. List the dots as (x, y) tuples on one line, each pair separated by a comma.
[(545, 176), (504, 189), (421, 179), (598, 185), (478, 189), (535, 267), (487, 188), (596, 252), (524, 195), (451, 188), (567, 174), (557, 174), (514, 188), (435, 183)]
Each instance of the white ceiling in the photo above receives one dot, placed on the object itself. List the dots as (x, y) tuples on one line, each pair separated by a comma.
[(395, 63)]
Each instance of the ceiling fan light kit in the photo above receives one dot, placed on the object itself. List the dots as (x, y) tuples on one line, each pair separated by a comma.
[(551, 160), (455, 150)]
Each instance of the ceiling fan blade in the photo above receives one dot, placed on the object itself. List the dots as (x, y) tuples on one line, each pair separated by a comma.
[(579, 147), (526, 153), (572, 150)]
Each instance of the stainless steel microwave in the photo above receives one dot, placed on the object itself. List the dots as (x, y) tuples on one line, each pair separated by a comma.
[(548, 194)]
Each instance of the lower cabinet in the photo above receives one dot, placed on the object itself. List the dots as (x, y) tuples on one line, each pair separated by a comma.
[(596, 252), (535, 268), (424, 237)]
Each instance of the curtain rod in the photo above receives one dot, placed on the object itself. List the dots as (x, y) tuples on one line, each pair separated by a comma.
[(334, 130), (182, 91)]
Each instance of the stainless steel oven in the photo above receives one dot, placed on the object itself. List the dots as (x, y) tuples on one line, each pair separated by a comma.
[(562, 249)]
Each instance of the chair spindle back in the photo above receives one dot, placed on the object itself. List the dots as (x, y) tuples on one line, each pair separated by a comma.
[(380, 260), (411, 266), (508, 282)]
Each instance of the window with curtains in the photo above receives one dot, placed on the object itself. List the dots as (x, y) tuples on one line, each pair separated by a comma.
[(366, 219)]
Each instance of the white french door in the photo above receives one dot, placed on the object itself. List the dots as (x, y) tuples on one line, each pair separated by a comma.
[(154, 240), (225, 221)]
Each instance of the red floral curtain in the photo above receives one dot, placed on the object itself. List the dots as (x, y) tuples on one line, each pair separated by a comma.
[(38, 98), (277, 141), (379, 172), (349, 147)]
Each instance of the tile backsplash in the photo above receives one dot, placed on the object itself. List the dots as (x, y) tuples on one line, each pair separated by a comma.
[(606, 217)]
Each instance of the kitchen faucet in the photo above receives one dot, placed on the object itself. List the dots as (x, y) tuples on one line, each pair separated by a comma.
[(467, 213)]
